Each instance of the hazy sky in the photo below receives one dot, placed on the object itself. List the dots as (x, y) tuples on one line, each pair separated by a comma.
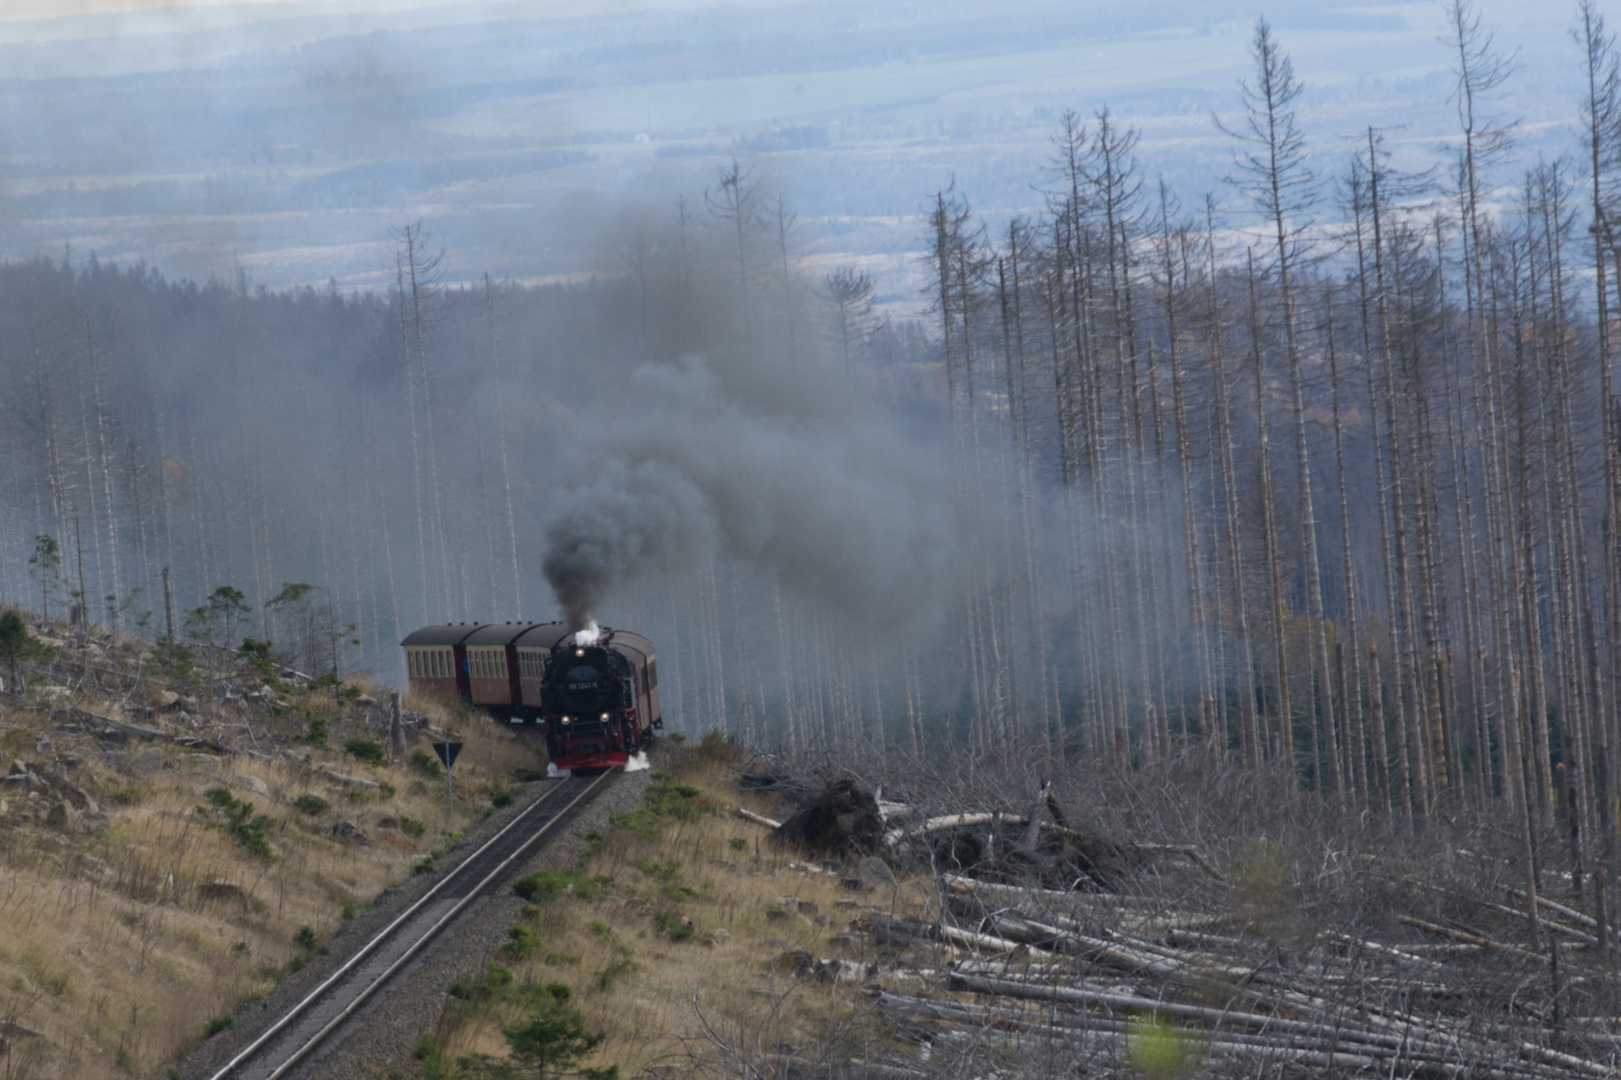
[(285, 137), (19, 10)]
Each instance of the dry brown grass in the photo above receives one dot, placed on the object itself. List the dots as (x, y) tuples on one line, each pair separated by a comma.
[(112, 951), (734, 976)]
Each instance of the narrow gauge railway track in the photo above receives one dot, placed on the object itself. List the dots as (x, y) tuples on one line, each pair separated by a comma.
[(289, 1040)]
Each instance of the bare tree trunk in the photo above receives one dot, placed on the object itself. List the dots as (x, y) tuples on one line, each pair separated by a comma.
[(1254, 749), (1269, 532), (1351, 684)]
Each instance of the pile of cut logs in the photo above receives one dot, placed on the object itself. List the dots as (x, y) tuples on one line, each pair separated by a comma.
[(1117, 979), (1164, 962)]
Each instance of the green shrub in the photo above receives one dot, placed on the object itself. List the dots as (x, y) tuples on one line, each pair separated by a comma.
[(431, 1053), (305, 939), (411, 827), (425, 763), (313, 805), (675, 801), (621, 964), (237, 818), (260, 655), (669, 924), (666, 802), (491, 984), (541, 885), (521, 942), (178, 666), (367, 750), (737, 843), (500, 796), (553, 1039), (17, 645), (666, 872), (318, 730), (386, 790), (218, 1024)]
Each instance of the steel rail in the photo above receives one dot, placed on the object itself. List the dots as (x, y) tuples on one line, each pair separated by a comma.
[(383, 935)]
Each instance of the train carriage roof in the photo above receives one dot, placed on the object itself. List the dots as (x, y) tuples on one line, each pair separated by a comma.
[(523, 635), (541, 636), (502, 633), (631, 644), (443, 634)]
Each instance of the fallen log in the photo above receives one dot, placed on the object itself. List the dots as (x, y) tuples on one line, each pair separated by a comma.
[(1547, 924), (190, 742), (1417, 1046), (976, 940), (1188, 850), (971, 886), (1470, 939), (758, 819), (1003, 1018), (345, 778), (1238, 1041), (1194, 939), (1030, 932), (953, 821), (1255, 1050), (1559, 909), (1029, 964), (1381, 950)]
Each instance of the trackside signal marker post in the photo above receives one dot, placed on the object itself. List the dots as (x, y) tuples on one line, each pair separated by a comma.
[(447, 752)]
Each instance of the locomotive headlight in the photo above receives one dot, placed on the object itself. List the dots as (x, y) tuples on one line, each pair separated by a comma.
[(579, 652), (565, 721), (605, 716)]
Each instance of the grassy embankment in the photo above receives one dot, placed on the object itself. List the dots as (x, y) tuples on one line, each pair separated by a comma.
[(675, 938), (189, 881)]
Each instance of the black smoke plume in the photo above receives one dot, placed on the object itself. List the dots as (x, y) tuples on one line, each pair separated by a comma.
[(748, 460)]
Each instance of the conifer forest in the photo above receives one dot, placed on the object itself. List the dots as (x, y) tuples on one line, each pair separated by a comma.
[(1320, 474)]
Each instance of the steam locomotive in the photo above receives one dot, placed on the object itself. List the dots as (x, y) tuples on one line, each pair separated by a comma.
[(597, 696)]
